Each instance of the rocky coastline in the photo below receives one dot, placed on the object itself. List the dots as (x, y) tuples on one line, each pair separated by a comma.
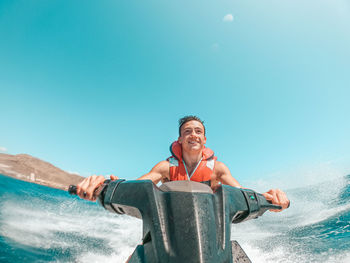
[(31, 169)]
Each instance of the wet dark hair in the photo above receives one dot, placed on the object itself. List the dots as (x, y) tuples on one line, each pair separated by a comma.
[(188, 118)]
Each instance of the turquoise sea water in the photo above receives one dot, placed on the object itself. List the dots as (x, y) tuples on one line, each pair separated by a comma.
[(40, 224)]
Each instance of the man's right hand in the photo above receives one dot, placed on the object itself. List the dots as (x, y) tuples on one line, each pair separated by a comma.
[(87, 187)]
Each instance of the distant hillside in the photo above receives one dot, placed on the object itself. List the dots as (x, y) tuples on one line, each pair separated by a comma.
[(31, 169)]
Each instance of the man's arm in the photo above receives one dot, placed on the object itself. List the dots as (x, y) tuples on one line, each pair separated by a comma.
[(158, 172), (87, 187), (224, 176), (275, 196)]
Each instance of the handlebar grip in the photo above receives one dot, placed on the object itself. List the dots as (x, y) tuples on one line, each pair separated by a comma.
[(72, 190), (267, 204), (277, 207)]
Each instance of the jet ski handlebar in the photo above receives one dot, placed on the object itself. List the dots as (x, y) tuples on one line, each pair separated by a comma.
[(183, 221), (130, 197)]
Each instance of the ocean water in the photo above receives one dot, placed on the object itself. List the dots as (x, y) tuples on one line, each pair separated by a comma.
[(39, 224)]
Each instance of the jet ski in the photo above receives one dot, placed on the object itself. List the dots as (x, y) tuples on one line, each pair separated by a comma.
[(184, 221)]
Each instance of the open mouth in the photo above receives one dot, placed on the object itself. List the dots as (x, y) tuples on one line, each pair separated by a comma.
[(192, 142)]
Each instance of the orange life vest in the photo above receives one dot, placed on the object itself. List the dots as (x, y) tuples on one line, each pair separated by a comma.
[(202, 173)]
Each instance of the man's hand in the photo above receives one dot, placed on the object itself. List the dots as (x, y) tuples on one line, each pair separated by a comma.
[(87, 187), (277, 197)]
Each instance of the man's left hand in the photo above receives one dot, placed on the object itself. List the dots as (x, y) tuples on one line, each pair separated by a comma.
[(277, 197)]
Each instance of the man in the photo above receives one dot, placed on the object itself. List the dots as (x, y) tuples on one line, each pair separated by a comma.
[(190, 160)]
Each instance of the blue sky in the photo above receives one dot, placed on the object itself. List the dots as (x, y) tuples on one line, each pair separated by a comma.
[(98, 86)]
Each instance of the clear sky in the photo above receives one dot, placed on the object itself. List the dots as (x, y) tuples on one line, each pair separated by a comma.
[(98, 86)]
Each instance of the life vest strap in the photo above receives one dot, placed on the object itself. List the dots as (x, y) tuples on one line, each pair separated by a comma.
[(189, 176)]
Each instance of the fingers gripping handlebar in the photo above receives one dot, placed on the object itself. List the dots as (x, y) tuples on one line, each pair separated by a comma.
[(99, 191), (257, 205)]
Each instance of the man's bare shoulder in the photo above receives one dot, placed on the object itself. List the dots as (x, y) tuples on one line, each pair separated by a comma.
[(220, 167), (162, 166), (224, 175), (158, 172)]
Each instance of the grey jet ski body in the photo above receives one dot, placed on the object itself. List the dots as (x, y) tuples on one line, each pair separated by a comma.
[(184, 221)]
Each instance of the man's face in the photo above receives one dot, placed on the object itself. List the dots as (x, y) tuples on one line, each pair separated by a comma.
[(192, 136)]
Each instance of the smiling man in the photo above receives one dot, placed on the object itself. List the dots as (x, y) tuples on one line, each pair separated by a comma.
[(190, 160)]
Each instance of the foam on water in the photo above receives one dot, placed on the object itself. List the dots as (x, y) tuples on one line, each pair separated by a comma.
[(314, 229), (73, 230), (87, 232), (283, 255)]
